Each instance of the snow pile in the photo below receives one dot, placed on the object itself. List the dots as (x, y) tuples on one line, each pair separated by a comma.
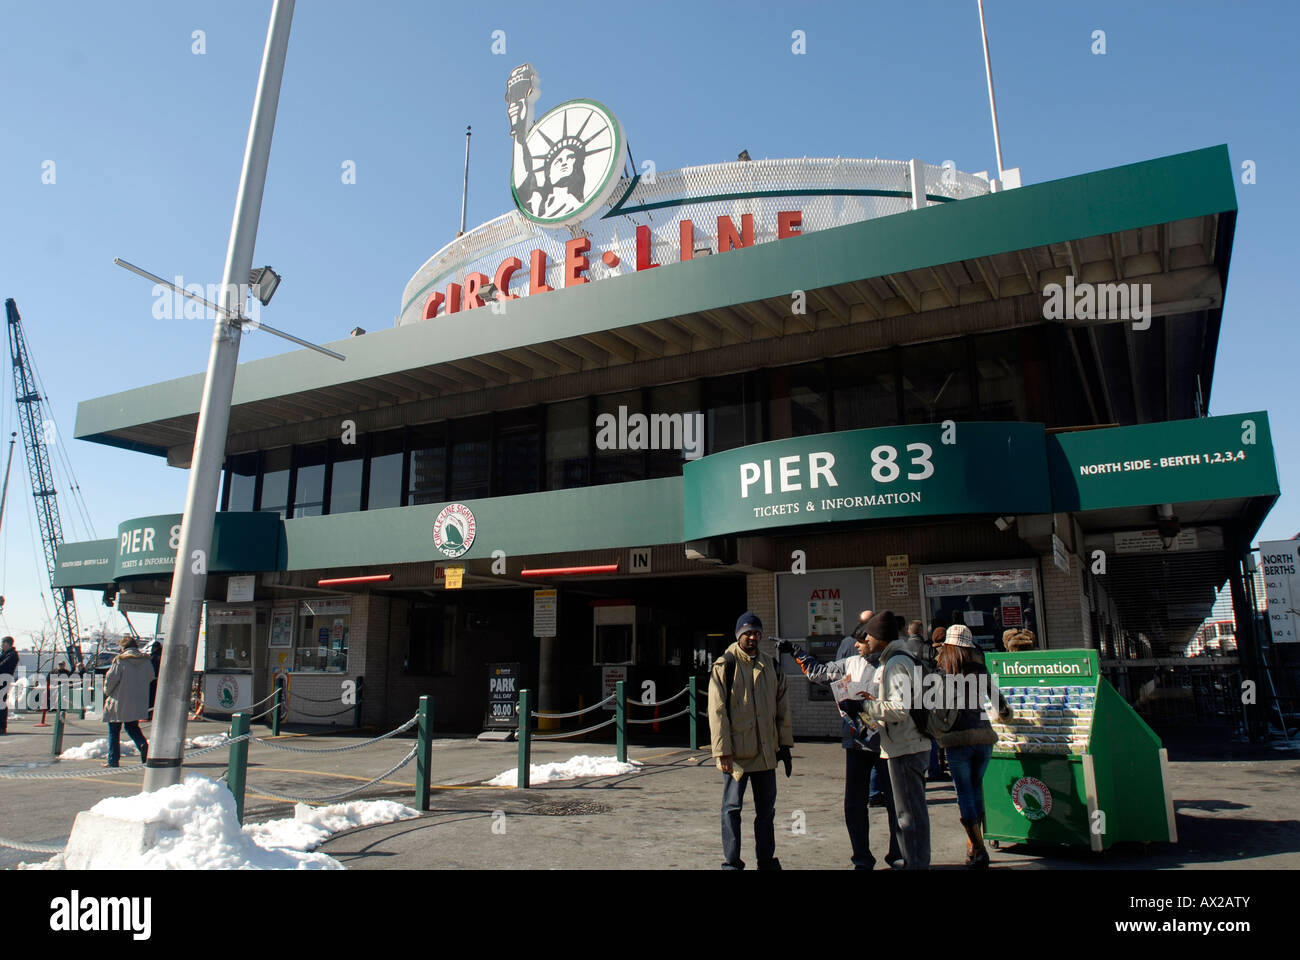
[(200, 831), (312, 826), (572, 769), (98, 749)]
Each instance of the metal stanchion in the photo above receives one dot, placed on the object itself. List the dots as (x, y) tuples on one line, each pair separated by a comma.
[(424, 753), (620, 722), (238, 775), (525, 718)]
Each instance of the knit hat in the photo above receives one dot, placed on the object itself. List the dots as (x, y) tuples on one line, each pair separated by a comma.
[(959, 635), (883, 626), (748, 621)]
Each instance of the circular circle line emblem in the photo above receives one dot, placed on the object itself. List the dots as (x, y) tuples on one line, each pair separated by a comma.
[(568, 163), (453, 530), (1032, 798)]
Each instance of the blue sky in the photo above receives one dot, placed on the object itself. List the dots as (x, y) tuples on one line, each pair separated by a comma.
[(147, 139)]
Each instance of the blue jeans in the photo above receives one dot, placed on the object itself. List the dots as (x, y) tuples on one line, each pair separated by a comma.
[(114, 741), (967, 766), (936, 769), (733, 797)]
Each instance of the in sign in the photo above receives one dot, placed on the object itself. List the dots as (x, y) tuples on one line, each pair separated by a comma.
[(639, 560)]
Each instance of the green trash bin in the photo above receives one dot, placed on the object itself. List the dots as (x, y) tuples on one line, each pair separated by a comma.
[(1076, 766)]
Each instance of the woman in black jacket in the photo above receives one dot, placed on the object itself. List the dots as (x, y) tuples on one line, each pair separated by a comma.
[(969, 744)]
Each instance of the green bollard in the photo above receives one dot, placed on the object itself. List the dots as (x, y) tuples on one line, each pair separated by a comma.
[(238, 771), (275, 714), (423, 753), (620, 722), (81, 694), (694, 714), (356, 714), (525, 751), (56, 747)]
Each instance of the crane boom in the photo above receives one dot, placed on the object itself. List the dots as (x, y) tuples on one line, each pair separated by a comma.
[(36, 425)]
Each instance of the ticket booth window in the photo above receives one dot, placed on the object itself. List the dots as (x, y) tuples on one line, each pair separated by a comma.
[(230, 632), (988, 599), (324, 628)]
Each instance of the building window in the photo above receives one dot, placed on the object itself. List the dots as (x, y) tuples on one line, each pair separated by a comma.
[(731, 413), (427, 482), (987, 598), (347, 462), (323, 634), (615, 635), (865, 391), (568, 433), (385, 489), (229, 631), (680, 404), (936, 382), (471, 454), (619, 455), (1000, 376), (431, 640), (309, 481), (276, 468), (241, 482), (797, 401), (516, 464)]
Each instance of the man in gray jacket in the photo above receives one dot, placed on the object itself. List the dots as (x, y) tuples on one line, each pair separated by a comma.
[(901, 743), (126, 703)]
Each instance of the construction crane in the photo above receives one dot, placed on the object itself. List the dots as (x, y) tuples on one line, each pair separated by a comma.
[(37, 429)]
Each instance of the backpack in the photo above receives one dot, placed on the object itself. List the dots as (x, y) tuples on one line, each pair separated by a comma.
[(932, 723)]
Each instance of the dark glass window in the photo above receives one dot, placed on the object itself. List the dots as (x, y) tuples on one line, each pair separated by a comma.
[(679, 429), (385, 470), (797, 401), (568, 433), (620, 441), (1001, 383), (427, 481), (345, 476), (431, 640), (866, 392), (731, 414), (936, 382), (241, 481), (471, 452), (516, 464), (275, 481), (309, 485)]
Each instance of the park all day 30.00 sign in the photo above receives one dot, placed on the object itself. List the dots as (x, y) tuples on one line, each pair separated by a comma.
[(907, 471)]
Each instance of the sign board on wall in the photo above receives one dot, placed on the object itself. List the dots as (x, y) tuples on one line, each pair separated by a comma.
[(227, 692), (826, 613), (502, 705), (544, 617), (609, 678), (1060, 556), (240, 589), (898, 583), (1148, 541), (851, 588), (1280, 561)]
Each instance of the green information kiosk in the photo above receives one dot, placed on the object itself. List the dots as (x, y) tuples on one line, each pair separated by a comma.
[(1076, 765)]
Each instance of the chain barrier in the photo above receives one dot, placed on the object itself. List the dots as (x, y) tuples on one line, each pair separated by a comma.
[(262, 701), (299, 696), (574, 733), (576, 713), (680, 713), (111, 771), (355, 746), (30, 847), (657, 703), (256, 716), (333, 797)]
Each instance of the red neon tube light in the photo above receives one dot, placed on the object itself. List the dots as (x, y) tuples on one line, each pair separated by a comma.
[(570, 571), (376, 578)]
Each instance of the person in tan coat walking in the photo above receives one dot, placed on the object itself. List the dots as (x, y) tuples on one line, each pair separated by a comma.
[(749, 719), (126, 699)]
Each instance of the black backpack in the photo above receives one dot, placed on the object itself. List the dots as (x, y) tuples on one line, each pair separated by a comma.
[(932, 723)]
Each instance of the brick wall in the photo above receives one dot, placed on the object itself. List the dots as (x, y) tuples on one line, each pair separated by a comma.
[(1066, 603)]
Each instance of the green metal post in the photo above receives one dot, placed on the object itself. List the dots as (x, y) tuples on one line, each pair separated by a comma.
[(56, 747), (356, 714), (694, 714), (620, 722), (525, 751), (275, 714), (238, 772), (82, 688), (423, 753)]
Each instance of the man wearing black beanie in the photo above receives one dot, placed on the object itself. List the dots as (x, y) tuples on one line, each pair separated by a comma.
[(749, 719)]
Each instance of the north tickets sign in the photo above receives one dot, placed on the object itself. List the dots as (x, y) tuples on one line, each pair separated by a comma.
[(909, 471), (1215, 458)]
